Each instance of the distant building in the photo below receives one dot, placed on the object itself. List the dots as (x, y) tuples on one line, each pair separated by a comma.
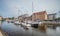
[(39, 16), (51, 16), (15, 19), (7, 19), (20, 18), (24, 17), (58, 14), (1, 17), (29, 18)]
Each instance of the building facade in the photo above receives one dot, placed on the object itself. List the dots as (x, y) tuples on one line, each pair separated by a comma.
[(20, 18), (24, 17), (39, 16), (28, 18), (51, 16)]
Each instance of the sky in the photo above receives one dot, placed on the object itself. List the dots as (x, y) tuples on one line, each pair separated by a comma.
[(10, 8)]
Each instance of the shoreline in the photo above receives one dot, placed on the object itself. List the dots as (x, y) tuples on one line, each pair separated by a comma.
[(2, 33)]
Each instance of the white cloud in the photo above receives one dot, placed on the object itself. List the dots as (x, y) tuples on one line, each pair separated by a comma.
[(26, 5)]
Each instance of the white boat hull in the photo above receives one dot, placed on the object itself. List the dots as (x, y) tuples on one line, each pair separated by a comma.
[(26, 25)]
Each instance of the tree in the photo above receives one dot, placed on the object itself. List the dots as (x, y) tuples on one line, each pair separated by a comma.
[(12, 18), (57, 19)]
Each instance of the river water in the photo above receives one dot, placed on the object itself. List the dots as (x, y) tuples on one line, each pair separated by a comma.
[(18, 30)]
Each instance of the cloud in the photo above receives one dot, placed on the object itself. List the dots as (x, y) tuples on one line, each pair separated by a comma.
[(15, 7)]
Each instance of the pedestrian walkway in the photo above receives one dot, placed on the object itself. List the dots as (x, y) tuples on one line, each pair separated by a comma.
[(2, 33)]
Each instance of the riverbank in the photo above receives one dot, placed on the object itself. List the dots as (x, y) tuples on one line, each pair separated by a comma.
[(2, 33)]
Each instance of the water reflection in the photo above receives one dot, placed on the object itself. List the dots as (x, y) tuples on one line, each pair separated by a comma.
[(18, 30)]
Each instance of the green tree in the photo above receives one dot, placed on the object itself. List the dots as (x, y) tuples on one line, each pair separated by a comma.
[(12, 18), (58, 19)]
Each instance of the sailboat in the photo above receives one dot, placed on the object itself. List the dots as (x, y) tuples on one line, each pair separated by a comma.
[(17, 22), (26, 25)]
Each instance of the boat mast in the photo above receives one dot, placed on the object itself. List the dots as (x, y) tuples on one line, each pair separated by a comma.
[(32, 12), (32, 6)]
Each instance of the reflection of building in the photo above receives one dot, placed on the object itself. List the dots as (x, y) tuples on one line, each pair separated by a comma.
[(1, 17), (39, 16), (51, 16)]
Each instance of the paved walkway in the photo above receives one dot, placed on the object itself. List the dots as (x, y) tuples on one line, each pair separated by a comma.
[(2, 33)]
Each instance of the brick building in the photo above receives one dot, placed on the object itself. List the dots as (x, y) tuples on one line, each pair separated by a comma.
[(39, 16)]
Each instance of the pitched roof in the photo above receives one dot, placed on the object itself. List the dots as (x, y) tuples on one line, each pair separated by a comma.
[(42, 12), (52, 14)]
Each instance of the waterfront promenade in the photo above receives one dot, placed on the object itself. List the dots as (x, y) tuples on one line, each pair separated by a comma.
[(2, 33)]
